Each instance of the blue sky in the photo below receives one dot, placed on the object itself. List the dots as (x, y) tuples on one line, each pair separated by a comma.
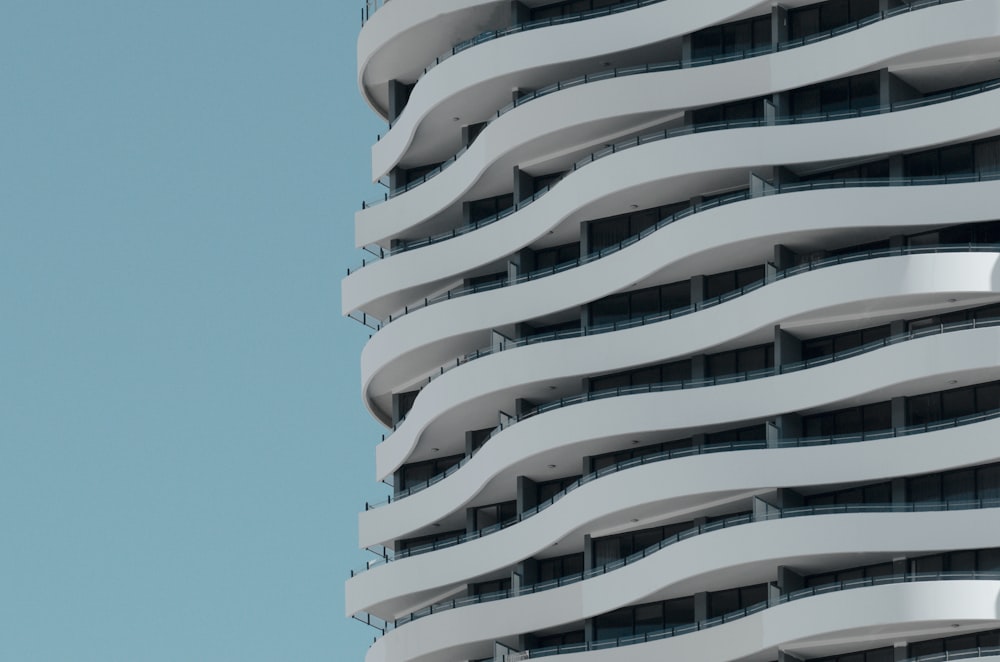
[(182, 446)]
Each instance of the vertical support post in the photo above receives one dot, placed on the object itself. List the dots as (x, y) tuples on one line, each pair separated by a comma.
[(527, 494), (524, 185)]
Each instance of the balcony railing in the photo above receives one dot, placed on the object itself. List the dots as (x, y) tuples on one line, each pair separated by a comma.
[(771, 602), (643, 69), (801, 442), (653, 318), (771, 513)]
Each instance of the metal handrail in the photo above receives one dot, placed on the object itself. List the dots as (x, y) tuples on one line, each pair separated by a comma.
[(674, 313), (771, 513), (795, 442), (770, 602), (633, 70)]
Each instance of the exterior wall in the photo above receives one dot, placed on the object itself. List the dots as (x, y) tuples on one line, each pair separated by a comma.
[(466, 354)]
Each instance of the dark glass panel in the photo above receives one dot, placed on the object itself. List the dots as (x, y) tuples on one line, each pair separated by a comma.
[(804, 22), (816, 348), (677, 371), (958, 403), (988, 155), (609, 309), (643, 539), (934, 563), (721, 364), (645, 302), (751, 595), (880, 655), (961, 643), (723, 602), (678, 295), (749, 276), (609, 382), (959, 485), (616, 624), (957, 160), (761, 31), (573, 564), (834, 13), (706, 43), (737, 37), (877, 416), (880, 570), (964, 561), (720, 284), (923, 409), (879, 493), (865, 91), (821, 580), (649, 618), (932, 647), (835, 96), (923, 164), (847, 421), (988, 481), (846, 341), (925, 488), (988, 396), (678, 612), (863, 9), (607, 550)]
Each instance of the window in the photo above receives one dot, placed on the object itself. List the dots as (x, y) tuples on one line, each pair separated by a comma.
[(561, 566), (419, 472), (631, 305), (812, 19), (487, 207), (498, 513), (732, 38), (854, 93)]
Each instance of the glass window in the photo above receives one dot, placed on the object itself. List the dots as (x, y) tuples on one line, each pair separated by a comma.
[(609, 309), (723, 602), (988, 396), (961, 643), (958, 403), (989, 639), (880, 655), (834, 13), (804, 22), (959, 485), (607, 550), (987, 155), (835, 96), (922, 409), (678, 612), (865, 91), (922, 164), (649, 618), (932, 647), (988, 481), (929, 564), (678, 295), (616, 624), (880, 570), (645, 302), (925, 488), (877, 416), (957, 160), (964, 561)]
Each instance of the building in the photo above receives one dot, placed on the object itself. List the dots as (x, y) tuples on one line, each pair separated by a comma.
[(686, 330)]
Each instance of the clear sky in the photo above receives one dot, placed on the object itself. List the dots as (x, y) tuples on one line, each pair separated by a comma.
[(183, 450)]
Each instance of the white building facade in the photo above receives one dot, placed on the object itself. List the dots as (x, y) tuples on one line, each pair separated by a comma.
[(685, 324)]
